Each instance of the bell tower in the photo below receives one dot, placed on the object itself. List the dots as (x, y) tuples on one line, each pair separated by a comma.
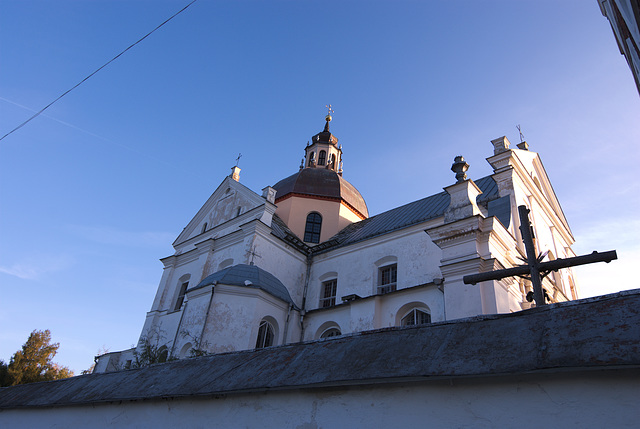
[(323, 151)]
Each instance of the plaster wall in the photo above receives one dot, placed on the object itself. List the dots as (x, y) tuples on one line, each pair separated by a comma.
[(567, 400), (418, 261), (375, 312), (235, 316), (335, 215), (287, 264)]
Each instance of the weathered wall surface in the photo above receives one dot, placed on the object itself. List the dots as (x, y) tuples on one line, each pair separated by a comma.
[(570, 400), (418, 261)]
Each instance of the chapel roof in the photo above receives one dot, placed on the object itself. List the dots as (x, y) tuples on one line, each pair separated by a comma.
[(250, 276), (323, 183)]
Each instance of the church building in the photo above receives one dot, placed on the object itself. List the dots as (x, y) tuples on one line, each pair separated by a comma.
[(303, 260)]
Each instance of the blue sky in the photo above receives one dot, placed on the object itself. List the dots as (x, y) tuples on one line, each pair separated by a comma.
[(94, 191)]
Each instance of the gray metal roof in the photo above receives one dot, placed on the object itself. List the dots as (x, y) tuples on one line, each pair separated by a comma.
[(407, 215), (248, 276), (594, 333)]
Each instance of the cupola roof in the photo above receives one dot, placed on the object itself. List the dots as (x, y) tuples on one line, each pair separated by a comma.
[(324, 184), (325, 135)]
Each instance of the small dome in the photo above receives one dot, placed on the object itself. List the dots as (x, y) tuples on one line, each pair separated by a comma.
[(323, 183), (248, 276)]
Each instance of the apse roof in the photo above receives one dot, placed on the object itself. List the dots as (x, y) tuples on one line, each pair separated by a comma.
[(248, 276)]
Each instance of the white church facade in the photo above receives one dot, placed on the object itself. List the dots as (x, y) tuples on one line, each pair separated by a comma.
[(303, 260)]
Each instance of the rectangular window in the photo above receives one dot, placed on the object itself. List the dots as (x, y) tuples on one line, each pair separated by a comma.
[(180, 300), (328, 297), (387, 278)]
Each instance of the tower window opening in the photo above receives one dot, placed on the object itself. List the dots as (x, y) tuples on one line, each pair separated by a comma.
[(313, 227), (312, 158), (322, 156)]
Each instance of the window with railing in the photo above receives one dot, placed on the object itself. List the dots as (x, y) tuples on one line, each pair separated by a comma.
[(328, 293), (387, 278)]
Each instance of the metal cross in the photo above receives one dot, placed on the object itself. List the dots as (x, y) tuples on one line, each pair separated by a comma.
[(329, 109), (253, 254), (238, 159), (521, 135), (535, 269)]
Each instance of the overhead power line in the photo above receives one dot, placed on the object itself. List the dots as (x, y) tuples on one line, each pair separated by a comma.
[(96, 71)]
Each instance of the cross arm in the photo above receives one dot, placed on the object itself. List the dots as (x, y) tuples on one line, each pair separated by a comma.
[(554, 265)]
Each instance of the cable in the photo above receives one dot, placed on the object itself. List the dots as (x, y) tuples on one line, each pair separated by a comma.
[(96, 71)]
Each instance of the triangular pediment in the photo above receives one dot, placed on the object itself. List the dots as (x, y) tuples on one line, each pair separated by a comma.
[(540, 181), (230, 200)]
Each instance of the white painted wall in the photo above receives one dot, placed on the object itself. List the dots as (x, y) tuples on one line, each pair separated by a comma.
[(597, 399)]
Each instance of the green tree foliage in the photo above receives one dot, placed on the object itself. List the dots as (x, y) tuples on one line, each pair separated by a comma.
[(34, 362), (5, 380)]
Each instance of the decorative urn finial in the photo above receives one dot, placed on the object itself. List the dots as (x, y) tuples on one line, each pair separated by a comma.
[(460, 167)]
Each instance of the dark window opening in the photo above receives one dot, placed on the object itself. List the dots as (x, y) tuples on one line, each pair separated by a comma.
[(265, 335), (322, 156), (183, 290), (312, 228)]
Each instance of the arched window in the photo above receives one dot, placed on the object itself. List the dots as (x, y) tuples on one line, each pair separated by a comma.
[(266, 335), (322, 156), (163, 354), (312, 158), (225, 264), (331, 332), (417, 316), (312, 228), (185, 351), (184, 284)]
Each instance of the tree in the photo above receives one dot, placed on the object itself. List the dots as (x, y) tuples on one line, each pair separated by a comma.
[(34, 362), (5, 380)]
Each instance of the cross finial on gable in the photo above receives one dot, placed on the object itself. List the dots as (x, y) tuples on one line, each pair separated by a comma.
[(238, 159)]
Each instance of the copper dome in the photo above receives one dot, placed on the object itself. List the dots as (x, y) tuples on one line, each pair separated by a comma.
[(322, 183)]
